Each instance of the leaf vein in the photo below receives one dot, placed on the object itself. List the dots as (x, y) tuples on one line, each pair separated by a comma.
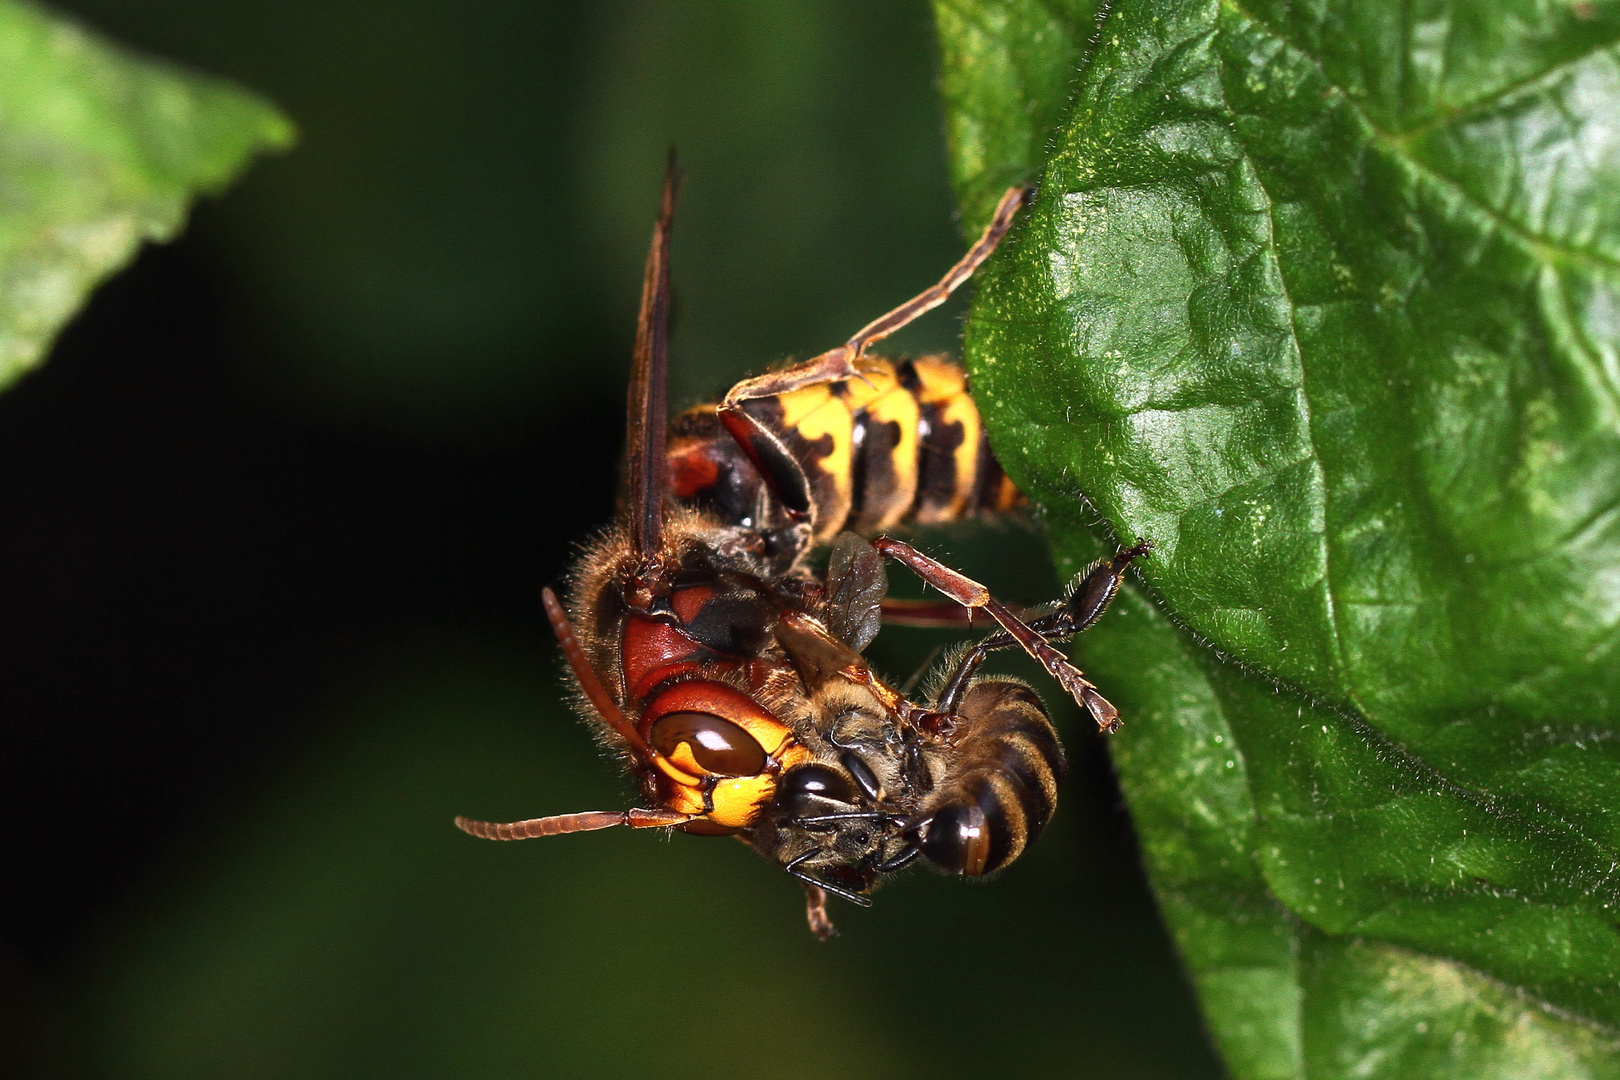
[(1484, 101), (1540, 246), (1306, 410)]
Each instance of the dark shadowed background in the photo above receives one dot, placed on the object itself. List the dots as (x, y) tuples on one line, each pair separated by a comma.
[(273, 522)]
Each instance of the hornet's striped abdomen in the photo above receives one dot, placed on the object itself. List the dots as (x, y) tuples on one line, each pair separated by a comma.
[(904, 444), (997, 789)]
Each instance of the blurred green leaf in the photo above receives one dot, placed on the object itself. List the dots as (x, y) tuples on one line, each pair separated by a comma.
[(99, 150), (1323, 301)]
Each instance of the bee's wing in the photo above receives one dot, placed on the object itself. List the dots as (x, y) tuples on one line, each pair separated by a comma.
[(649, 386), (856, 584)]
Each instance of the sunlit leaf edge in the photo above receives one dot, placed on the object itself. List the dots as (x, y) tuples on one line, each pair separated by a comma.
[(103, 150)]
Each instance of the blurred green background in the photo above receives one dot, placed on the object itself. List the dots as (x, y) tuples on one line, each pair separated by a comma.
[(275, 516)]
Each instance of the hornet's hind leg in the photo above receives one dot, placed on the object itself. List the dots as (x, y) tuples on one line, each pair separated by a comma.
[(774, 462), (836, 364)]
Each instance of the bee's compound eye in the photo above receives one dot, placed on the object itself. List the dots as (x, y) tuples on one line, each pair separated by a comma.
[(861, 773), (713, 744), (802, 787), (957, 839)]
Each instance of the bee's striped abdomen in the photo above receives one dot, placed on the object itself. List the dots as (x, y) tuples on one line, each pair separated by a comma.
[(999, 788), (903, 444)]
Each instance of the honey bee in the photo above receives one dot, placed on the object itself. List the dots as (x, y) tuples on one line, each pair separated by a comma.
[(727, 675)]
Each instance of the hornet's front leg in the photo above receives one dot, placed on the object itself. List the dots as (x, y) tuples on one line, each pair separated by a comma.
[(815, 912)]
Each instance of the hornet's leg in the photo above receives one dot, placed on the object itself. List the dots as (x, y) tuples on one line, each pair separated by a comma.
[(836, 364), (938, 614), (927, 614), (815, 912), (1084, 606), (782, 472), (969, 593)]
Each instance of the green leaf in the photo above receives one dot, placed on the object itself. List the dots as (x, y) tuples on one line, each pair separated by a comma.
[(99, 150), (1285, 999), (1323, 300), (1009, 66)]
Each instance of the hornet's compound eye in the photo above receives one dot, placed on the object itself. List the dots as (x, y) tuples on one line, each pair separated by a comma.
[(707, 745), (804, 789)]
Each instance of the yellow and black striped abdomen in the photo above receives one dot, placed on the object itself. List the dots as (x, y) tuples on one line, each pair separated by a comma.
[(996, 784), (903, 444)]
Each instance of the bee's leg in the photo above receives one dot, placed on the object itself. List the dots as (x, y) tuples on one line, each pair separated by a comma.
[(899, 861), (1098, 588), (823, 887), (969, 593), (837, 364), (1054, 627), (950, 698), (589, 821), (815, 912)]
